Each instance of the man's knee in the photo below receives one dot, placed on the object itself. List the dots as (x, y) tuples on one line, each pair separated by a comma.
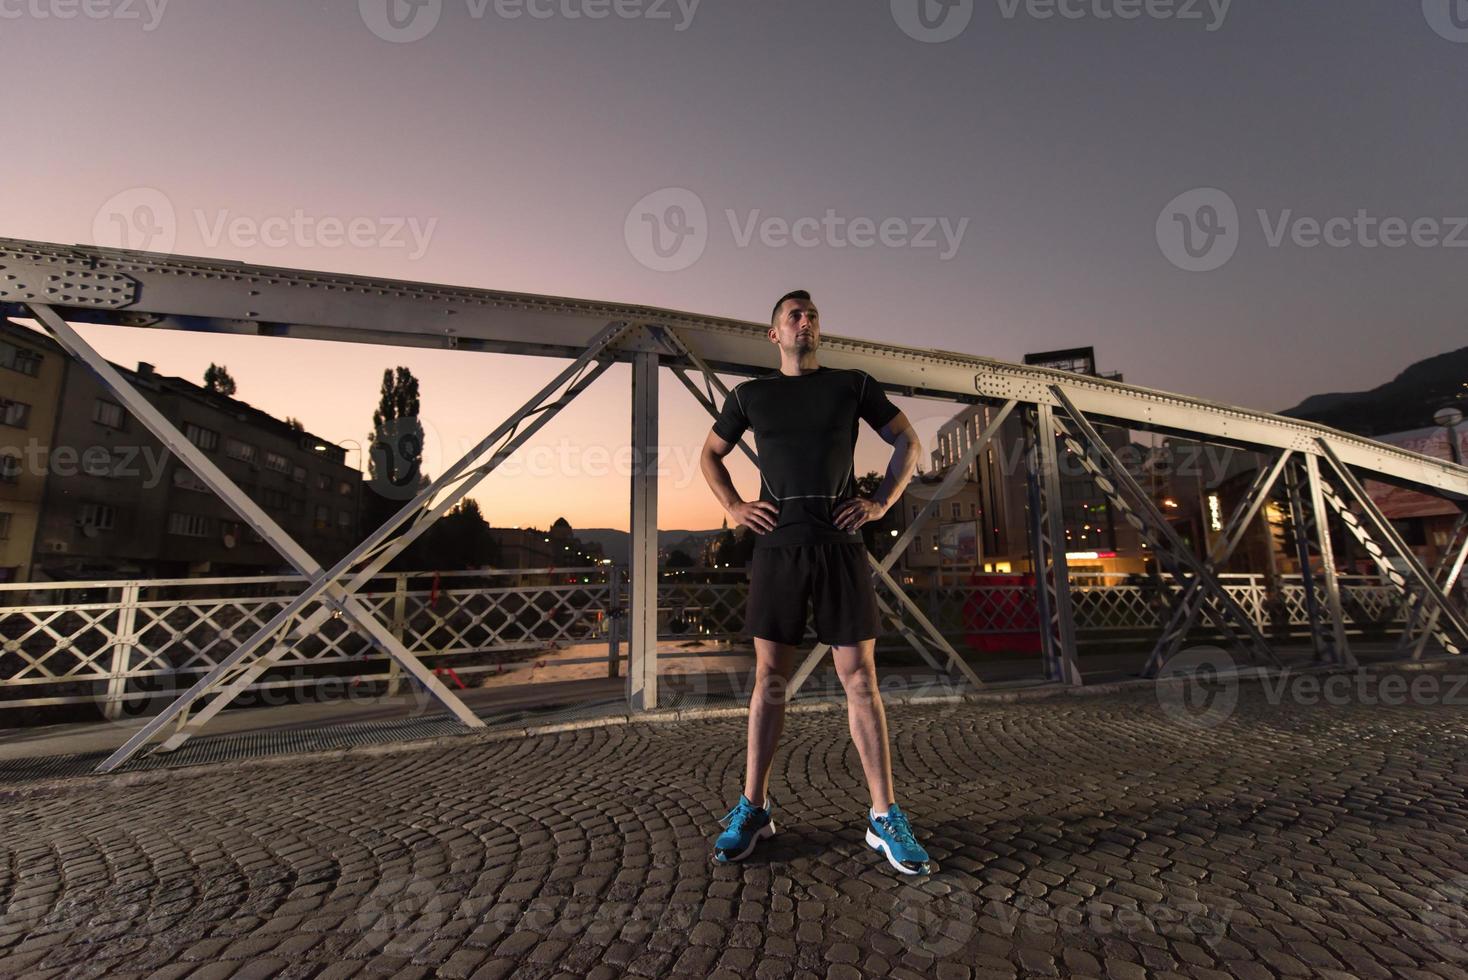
[(860, 682), (771, 684)]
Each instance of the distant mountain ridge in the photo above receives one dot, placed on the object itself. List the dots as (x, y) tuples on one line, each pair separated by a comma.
[(1408, 401)]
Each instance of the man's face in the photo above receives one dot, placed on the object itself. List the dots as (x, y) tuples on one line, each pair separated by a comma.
[(797, 328)]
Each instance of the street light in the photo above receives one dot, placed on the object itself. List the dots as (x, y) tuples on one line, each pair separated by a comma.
[(1449, 418), (355, 446)]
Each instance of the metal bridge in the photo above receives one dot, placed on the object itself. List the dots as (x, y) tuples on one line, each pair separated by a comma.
[(1319, 468)]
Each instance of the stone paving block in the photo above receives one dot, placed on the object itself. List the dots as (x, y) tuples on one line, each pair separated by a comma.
[(1263, 850)]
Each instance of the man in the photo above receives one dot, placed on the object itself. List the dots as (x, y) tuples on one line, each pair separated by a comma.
[(809, 550)]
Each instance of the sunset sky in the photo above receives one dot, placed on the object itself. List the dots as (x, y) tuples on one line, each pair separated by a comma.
[(521, 150)]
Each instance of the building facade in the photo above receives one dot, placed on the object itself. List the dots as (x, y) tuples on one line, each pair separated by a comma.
[(115, 503), (32, 373), (1096, 539)]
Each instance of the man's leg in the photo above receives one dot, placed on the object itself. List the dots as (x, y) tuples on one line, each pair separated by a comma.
[(774, 663), (858, 672)]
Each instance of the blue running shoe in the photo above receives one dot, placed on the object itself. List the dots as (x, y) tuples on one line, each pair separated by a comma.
[(746, 825), (892, 836)]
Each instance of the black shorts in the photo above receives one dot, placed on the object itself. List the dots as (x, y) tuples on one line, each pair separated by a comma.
[(836, 578)]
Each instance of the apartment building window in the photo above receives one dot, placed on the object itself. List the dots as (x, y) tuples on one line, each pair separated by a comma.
[(343, 519), (17, 414), (344, 488), (277, 462), (4, 526), (20, 359), (107, 413), (100, 516), (185, 479), (9, 468), (188, 525), (242, 451), (957, 510), (323, 482), (205, 439), (323, 517), (299, 474), (274, 499), (97, 461)]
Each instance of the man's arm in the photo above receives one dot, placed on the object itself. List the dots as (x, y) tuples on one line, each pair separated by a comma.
[(759, 515), (900, 435)]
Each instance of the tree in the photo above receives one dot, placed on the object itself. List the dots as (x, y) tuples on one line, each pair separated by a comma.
[(680, 559), (395, 456), (295, 423), (217, 380), (734, 549), (459, 540)]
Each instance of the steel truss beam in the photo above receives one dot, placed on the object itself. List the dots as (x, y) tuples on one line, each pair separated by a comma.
[(1449, 567), (1384, 529), (134, 288), (166, 292), (1113, 480), (955, 663), (380, 549), (1185, 610), (322, 584), (1339, 645), (1047, 548), (1302, 526), (1414, 600), (642, 558)]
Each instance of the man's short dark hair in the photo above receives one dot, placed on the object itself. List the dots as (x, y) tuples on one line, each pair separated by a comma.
[(796, 294)]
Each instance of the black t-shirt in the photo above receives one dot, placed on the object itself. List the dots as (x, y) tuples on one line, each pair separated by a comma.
[(805, 430)]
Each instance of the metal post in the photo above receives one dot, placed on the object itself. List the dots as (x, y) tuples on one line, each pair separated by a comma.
[(1341, 651), (614, 621), (1063, 666), (1300, 527), (1047, 544), (399, 630), (123, 644), (642, 612)]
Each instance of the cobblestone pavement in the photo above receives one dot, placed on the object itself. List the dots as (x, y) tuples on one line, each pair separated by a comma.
[(1109, 836)]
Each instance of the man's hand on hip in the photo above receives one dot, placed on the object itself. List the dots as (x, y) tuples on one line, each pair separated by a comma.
[(852, 514), (757, 515)]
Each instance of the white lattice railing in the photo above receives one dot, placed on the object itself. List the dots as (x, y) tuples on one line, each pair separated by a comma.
[(112, 642)]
